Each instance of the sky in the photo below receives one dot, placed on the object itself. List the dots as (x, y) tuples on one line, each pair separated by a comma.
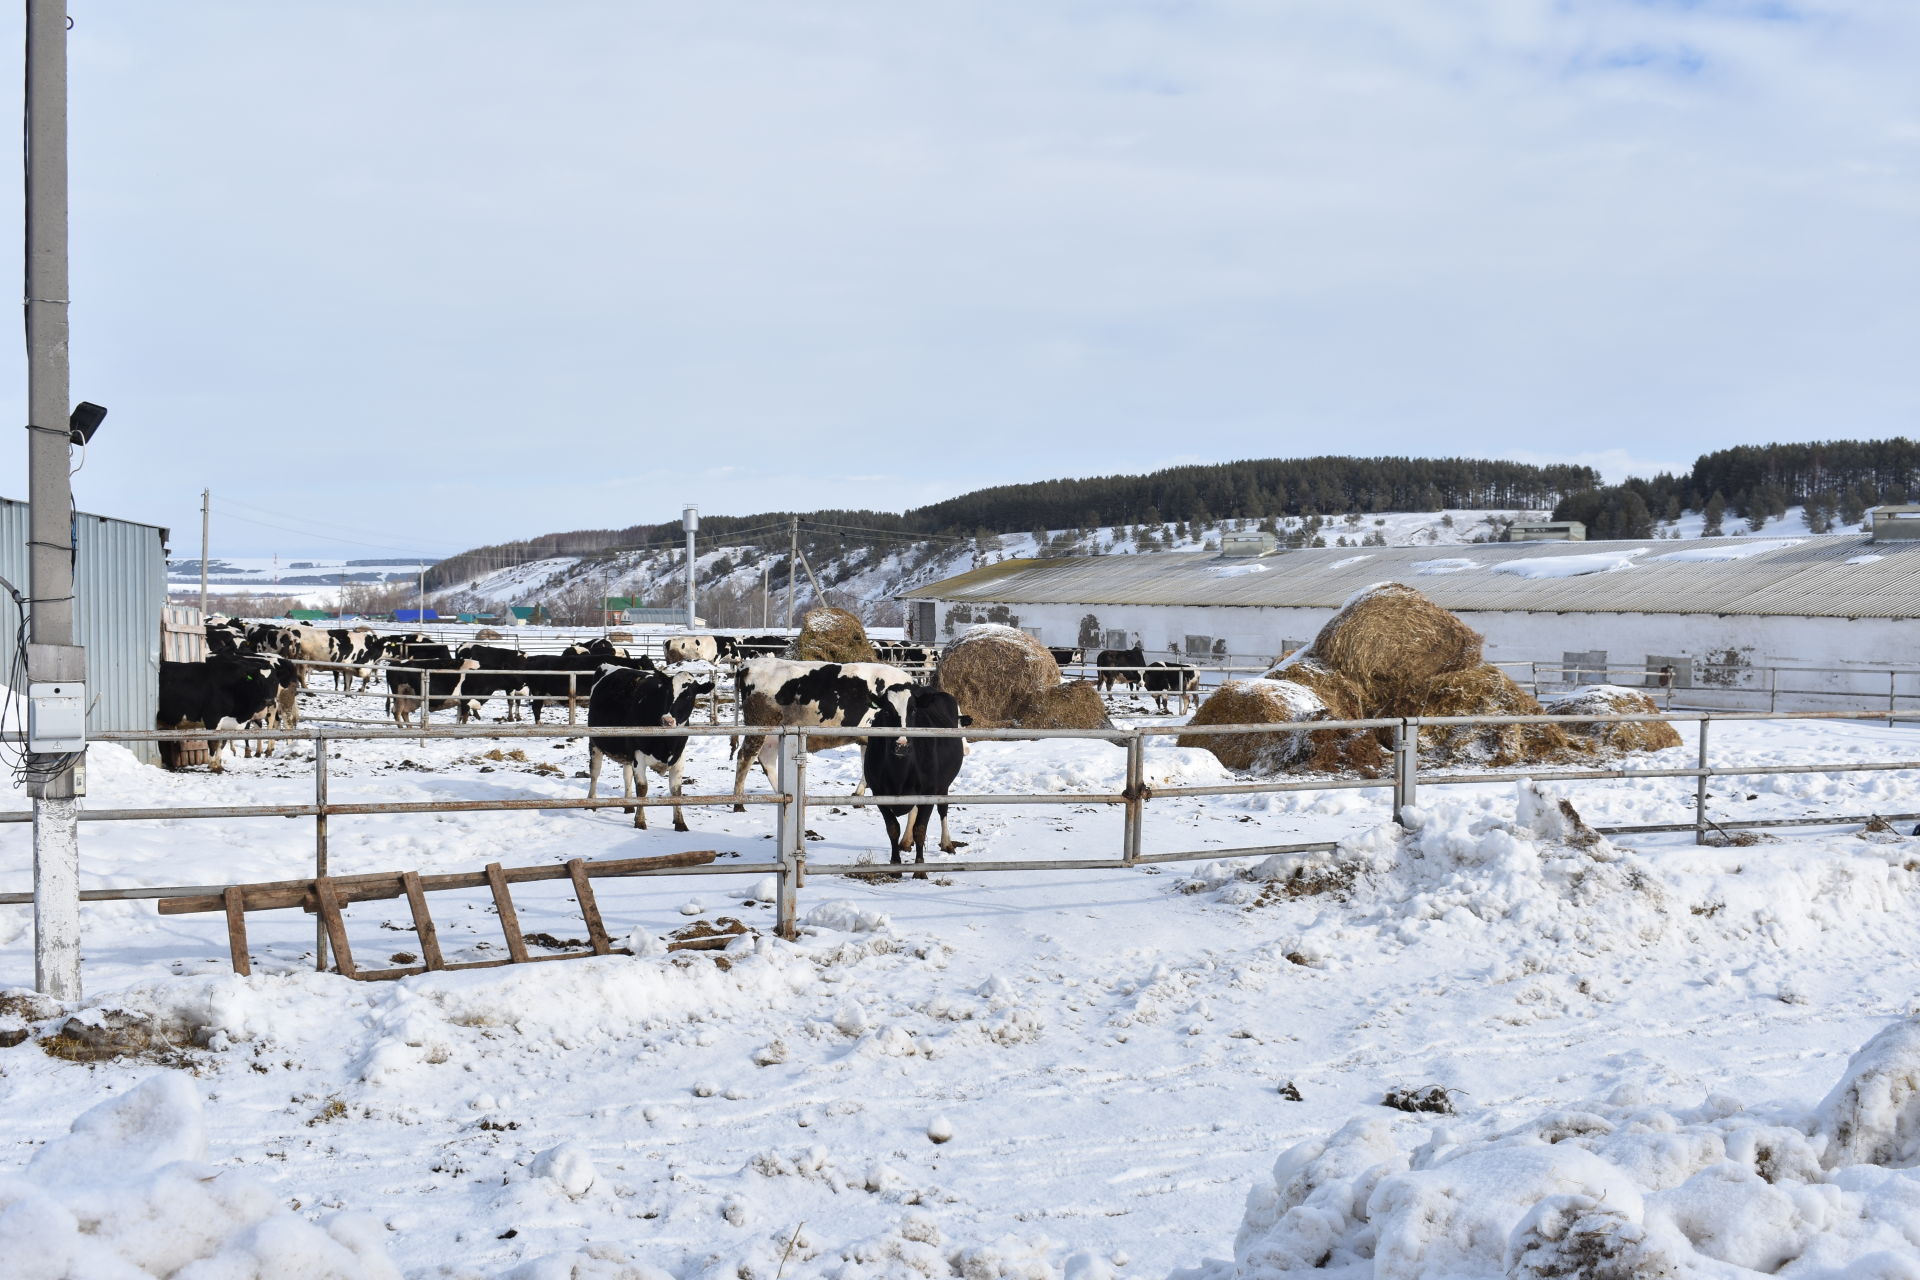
[(421, 274)]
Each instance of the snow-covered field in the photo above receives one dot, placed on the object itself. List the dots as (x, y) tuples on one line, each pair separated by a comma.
[(1110, 1052)]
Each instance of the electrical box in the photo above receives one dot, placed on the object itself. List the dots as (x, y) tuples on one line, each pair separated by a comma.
[(57, 717)]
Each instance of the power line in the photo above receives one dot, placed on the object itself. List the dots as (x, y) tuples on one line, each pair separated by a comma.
[(305, 533), (377, 533)]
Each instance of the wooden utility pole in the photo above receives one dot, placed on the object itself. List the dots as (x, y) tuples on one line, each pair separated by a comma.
[(54, 661)]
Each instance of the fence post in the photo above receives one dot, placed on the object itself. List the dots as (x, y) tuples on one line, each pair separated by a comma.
[(1700, 790), (791, 840), (1773, 690), (1136, 806), (319, 841), (426, 704), (1406, 767), (1892, 676), (570, 698)]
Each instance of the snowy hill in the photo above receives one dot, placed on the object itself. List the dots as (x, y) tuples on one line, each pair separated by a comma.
[(866, 578)]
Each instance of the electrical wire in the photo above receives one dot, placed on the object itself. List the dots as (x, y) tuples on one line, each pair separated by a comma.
[(325, 537)]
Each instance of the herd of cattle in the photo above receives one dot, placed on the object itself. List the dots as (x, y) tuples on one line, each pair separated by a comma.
[(252, 673)]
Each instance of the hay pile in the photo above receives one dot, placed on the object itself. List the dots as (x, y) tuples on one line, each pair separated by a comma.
[(1269, 701), (1611, 699), (1001, 675), (1390, 653), (832, 635), (1077, 704), (1390, 639), (1480, 691)]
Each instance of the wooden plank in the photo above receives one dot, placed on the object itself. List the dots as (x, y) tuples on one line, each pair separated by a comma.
[(276, 894), (237, 931), (509, 918), (423, 922), (589, 906), (336, 927)]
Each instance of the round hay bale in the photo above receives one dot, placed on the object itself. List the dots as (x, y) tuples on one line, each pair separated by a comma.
[(1287, 701), (1390, 638), (619, 637), (1612, 699), (832, 635), (998, 674), (1481, 691), (487, 633), (1077, 704)]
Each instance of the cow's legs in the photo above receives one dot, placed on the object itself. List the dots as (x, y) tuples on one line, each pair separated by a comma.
[(946, 839), (751, 746), (593, 769), (923, 819), (633, 776), (673, 786), (892, 820)]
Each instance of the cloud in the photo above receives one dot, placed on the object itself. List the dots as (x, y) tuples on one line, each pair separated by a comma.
[(443, 266)]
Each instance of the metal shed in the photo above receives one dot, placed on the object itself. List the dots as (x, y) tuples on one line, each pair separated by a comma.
[(120, 586)]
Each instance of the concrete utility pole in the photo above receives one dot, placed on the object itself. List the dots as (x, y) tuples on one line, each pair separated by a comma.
[(690, 522), (53, 659), (793, 568), (205, 494)]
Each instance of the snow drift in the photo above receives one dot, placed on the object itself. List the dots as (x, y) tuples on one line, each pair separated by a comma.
[(1614, 1189)]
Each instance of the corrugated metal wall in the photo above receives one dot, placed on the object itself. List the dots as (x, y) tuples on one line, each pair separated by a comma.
[(120, 581)]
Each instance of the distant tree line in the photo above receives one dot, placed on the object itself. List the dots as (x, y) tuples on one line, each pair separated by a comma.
[(1259, 489), (1835, 480)]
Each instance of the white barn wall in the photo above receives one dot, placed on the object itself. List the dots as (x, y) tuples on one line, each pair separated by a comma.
[(1866, 647)]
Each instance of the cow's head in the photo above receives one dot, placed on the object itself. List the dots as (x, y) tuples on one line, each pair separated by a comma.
[(686, 688)]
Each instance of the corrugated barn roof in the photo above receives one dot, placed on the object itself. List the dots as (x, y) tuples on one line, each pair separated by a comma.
[(1832, 576)]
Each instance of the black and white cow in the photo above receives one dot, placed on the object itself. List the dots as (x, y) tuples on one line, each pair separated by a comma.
[(547, 680), (1120, 664), (627, 698), (1067, 657), (750, 647), (225, 636), (444, 677), (502, 671), (358, 648), (903, 655), (776, 692), (1163, 678), (227, 691), (903, 766)]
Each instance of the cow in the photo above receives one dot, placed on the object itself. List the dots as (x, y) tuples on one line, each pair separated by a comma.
[(630, 698), (305, 644), (443, 686), (264, 637), (224, 636), (224, 692), (1067, 657), (1120, 664), (502, 671), (903, 766), (903, 655), (548, 680), (750, 647), (775, 692), (680, 649), (1163, 678), (358, 648)]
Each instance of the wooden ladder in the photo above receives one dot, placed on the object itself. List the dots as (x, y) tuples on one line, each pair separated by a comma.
[(326, 895)]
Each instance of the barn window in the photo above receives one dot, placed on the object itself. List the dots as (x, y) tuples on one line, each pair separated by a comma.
[(1116, 639), (1199, 646)]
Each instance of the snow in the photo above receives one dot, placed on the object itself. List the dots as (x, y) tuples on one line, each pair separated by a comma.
[(1864, 559), (128, 1193), (1718, 549), (1106, 1046), (1347, 560), (1570, 566), (1615, 1186), (1237, 570), (1453, 564)]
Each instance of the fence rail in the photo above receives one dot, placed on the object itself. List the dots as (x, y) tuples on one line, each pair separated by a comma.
[(792, 796)]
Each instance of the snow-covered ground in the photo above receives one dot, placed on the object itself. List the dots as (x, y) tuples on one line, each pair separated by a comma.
[(1110, 1050)]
